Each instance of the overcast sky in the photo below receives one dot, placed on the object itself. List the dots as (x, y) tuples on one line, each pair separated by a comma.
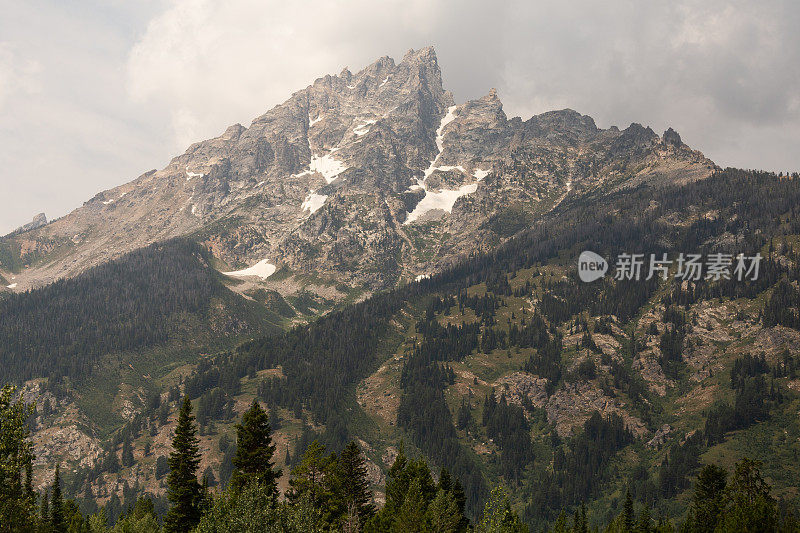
[(94, 93)]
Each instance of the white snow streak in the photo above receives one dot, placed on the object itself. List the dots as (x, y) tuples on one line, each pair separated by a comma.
[(448, 118), (262, 269), (313, 201), (444, 199), (313, 121), (190, 175), (384, 81), (12, 286), (422, 276), (480, 174), (363, 129)]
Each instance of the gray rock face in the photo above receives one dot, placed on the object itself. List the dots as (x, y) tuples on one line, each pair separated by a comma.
[(37, 222), (365, 178)]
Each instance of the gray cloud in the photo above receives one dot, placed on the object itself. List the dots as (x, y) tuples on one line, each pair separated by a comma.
[(91, 98)]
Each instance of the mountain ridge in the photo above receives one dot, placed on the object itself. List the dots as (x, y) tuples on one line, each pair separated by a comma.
[(329, 177)]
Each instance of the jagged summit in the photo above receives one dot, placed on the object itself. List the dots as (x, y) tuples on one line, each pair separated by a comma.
[(364, 178)]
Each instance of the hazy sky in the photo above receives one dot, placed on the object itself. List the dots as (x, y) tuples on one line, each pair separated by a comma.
[(94, 93)]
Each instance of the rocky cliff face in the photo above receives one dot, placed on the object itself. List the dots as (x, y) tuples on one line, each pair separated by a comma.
[(366, 179)]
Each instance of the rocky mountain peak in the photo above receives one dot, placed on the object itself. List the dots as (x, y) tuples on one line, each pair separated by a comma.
[(37, 222), (365, 178), (672, 138)]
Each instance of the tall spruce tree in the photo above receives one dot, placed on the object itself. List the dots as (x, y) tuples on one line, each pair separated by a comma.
[(57, 522), (44, 510), (254, 452), (354, 483), (17, 502), (709, 494), (183, 490)]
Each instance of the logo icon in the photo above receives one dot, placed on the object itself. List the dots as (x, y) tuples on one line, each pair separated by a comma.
[(591, 266)]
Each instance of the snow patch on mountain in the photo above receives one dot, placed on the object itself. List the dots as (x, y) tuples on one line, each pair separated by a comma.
[(190, 175), (480, 174), (263, 269), (326, 165), (313, 202), (448, 118), (12, 286), (312, 121), (363, 129), (444, 199)]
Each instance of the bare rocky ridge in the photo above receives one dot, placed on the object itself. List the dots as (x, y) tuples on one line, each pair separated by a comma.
[(323, 183)]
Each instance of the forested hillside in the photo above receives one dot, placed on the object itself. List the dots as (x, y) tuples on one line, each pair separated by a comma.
[(142, 300), (508, 370)]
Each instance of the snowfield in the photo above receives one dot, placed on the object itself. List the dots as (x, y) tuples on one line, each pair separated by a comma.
[(326, 165), (263, 269), (313, 202), (444, 200)]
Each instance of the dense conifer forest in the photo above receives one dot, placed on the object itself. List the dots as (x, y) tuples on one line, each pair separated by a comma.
[(136, 302)]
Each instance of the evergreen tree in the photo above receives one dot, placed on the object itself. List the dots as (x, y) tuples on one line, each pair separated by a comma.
[(127, 453), (749, 506), (315, 480), (44, 511), (411, 516), (354, 483), (183, 492), (254, 451), (17, 502), (644, 525), (709, 492), (443, 513), (628, 517), (57, 522)]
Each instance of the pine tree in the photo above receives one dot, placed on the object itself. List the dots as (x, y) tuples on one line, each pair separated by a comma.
[(127, 453), (628, 517), (461, 501), (183, 489), (254, 451), (44, 511), (645, 523), (17, 502), (354, 483), (709, 491), (411, 516), (57, 522), (749, 505), (443, 513)]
